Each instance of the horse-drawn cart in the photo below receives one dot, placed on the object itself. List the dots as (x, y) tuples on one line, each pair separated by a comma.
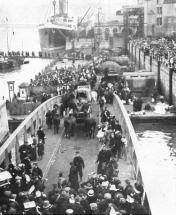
[(78, 107)]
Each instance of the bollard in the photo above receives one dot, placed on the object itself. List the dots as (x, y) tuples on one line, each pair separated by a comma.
[(33, 54), (40, 54)]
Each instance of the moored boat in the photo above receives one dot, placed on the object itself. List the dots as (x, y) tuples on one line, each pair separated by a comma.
[(10, 63)]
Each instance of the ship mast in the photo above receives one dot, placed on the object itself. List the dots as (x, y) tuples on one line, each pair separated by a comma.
[(7, 35), (54, 6), (67, 7)]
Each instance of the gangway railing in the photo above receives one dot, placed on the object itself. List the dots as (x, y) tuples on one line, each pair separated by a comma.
[(9, 151), (133, 154)]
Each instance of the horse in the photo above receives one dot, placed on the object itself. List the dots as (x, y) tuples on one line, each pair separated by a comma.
[(90, 126), (68, 102), (69, 124)]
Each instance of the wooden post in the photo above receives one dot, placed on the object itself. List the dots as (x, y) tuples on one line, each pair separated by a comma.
[(129, 48), (135, 54), (150, 62)]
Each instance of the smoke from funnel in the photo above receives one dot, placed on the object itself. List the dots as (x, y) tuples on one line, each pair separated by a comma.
[(62, 7)]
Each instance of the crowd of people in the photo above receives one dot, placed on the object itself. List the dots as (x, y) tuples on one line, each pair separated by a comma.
[(102, 192), (117, 85), (162, 48), (65, 79)]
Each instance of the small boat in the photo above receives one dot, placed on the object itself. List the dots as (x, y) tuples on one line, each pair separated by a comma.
[(10, 63), (26, 62)]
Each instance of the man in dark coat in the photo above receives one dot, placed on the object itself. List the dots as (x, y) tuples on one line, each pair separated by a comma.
[(49, 119), (28, 165), (56, 123), (101, 103), (139, 104), (73, 176), (100, 160), (79, 163), (24, 151), (36, 171), (41, 134)]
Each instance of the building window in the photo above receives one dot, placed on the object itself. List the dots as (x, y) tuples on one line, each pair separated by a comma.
[(159, 10), (159, 21), (107, 30), (114, 30), (169, 20), (106, 35)]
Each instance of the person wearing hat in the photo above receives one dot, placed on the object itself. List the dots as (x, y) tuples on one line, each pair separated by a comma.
[(40, 149), (117, 126), (75, 205), (61, 180), (101, 158), (12, 211), (37, 171), (52, 194), (41, 134), (47, 208), (101, 103), (56, 123), (69, 211), (49, 119), (24, 151), (128, 190), (79, 163), (85, 204), (73, 176), (91, 196), (28, 165), (104, 203)]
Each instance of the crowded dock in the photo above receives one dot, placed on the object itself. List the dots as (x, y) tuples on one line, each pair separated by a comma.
[(88, 109)]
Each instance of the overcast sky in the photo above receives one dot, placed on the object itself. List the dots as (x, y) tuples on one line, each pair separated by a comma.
[(34, 11)]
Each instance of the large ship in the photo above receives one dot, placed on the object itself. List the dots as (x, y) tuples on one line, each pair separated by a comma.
[(57, 30)]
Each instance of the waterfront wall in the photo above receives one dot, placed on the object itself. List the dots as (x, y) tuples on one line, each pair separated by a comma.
[(155, 66), (9, 151), (4, 128), (129, 133)]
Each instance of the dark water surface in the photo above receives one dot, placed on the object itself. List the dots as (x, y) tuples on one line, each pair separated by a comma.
[(157, 133)]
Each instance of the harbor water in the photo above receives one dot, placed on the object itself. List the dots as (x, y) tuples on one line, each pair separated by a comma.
[(20, 39), (24, 74), (160, 136)]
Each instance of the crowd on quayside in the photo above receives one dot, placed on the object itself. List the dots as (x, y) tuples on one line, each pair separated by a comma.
[(101, 193), (162, 49)]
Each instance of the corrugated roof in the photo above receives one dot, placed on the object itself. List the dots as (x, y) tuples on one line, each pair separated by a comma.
[(169, 1)]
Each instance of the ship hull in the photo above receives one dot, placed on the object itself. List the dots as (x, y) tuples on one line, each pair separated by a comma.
[(53, 40)]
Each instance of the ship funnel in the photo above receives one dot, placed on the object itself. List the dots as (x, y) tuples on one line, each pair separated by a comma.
[(62, 7)]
